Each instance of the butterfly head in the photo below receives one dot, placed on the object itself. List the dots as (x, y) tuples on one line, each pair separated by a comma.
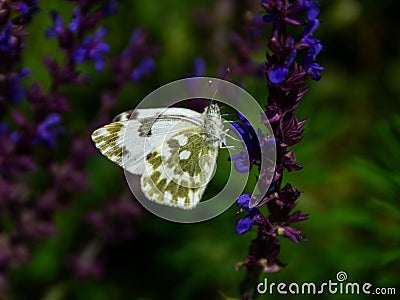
[(212, 111)]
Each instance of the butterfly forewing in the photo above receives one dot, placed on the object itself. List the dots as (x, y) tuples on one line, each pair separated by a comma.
[(127, 142), (110, 141)]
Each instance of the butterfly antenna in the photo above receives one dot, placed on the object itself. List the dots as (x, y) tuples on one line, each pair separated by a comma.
[(215, 92), (227, 71)]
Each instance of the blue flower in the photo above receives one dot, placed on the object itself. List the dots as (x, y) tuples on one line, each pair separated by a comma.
[(314, 48), (250, 138), (245, 224), (57, 28), (243, 201), (49, 129), (315, 71), (25, 10), (312, 10), (138, 37), (4, 128), (310, 28), (22, 7), (75, 20), (93, 48), (271, 19), (145, 67), (6, 38), (16, 90), (244, 128), (199, 67), (311, 67), (278, 74), (242, 163)]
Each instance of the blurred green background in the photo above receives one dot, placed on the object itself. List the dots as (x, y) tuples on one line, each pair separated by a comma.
[(350, 180)]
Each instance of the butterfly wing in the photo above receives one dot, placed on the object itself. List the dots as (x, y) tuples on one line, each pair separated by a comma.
[(178, 171), (130, 138)]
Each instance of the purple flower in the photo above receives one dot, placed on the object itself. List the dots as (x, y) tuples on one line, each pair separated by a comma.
[(16, 90), (310, 66), (93, 48), (199, 67), (86, 264), (6, 39), (22, 7), (138, 36), (310, 28), (114, 222), (290, 61), (4, 128), (25, 10), (271, 19), (272, 16), (135, 62), (242, 163), (251, 143), (75, 20), (243, 201), (57, 28), (292, 233), (315, 71), (86, 268), (244, 225), (312, 10), (145, 67), (314, 48), (29, 208), (49, 129), (278, 74)]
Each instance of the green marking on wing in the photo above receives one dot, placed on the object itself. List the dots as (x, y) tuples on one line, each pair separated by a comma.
[(197, 148), (159, 187), (155, 159), (189, 179), (106, 139)]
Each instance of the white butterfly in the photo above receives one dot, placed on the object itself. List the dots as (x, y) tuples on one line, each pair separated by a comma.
[(173, 149)]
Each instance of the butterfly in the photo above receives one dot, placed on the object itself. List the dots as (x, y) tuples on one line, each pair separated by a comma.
[(173, 149)]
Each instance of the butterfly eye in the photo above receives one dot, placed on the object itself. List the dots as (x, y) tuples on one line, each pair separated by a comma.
[(212, 110)]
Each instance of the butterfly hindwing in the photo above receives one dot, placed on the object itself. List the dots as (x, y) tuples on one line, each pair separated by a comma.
[(178, 171)]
